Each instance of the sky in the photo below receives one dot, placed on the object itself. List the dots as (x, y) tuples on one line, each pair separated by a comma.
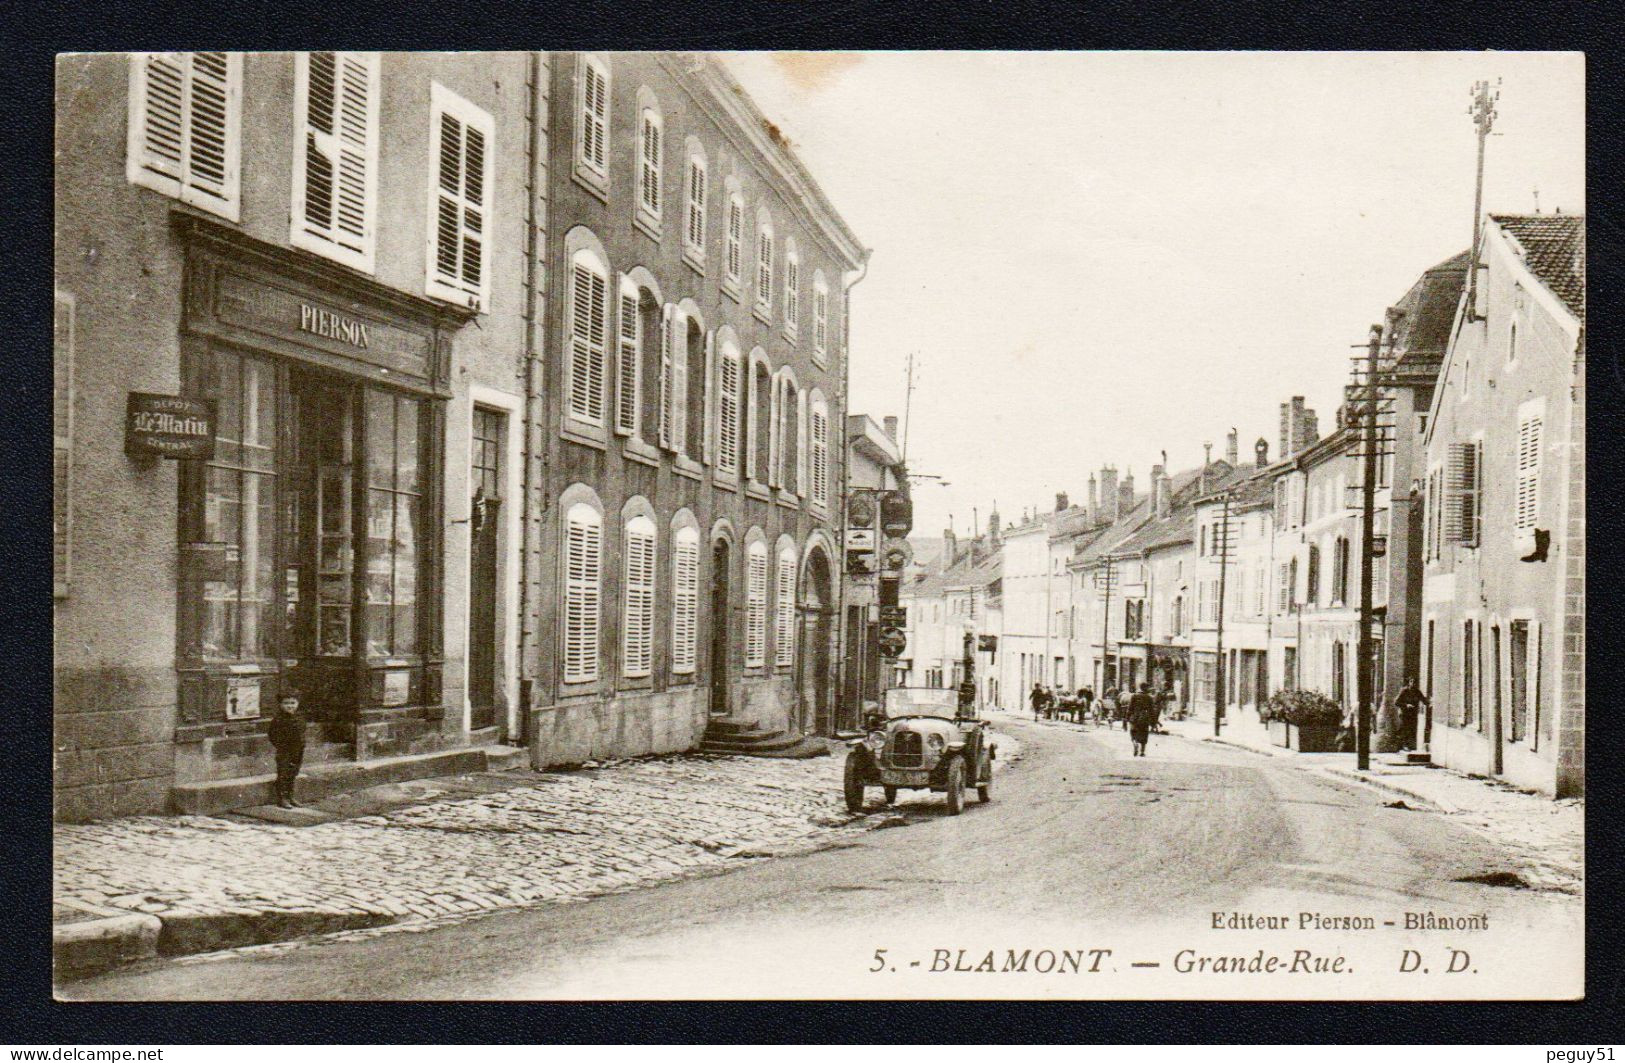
[(1097, 257)]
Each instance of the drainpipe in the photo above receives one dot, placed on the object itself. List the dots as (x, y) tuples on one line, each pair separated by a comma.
[(535, 367), (846, 462)]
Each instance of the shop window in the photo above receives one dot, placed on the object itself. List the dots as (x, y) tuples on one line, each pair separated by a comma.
[(185, 135), (784, 616), (237, 620), (335, 157), (394, 514), (459, 199)]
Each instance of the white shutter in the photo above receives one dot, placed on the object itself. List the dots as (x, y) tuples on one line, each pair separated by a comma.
[(696, 205), (679, 381), (667, 313), (792, 293), (637, 630), (756, 607), (460, 199), (728, 416), (784, 642), (185, 135), (594, 116), (751, 417), (801, 443), (649, 164), (774, 454), (736, 235), (710, 399), (685, 600), (588, 296), (820, 456), (626, 384), (336, 156), (1527, 502), (820, 320), (764, 269), (583, 546)]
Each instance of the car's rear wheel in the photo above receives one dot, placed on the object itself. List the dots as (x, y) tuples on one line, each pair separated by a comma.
[(984, 785), (891, 795), (956, 786), (852, 784)]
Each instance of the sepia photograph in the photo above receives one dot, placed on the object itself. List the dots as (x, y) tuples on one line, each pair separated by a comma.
[(793, 525)]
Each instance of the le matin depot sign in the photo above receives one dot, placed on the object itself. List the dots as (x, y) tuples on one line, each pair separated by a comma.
[(168, 426)]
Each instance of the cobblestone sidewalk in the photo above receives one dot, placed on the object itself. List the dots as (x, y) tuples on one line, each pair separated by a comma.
[(541, 837)]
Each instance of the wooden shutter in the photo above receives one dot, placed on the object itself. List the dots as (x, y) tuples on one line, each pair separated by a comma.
[(1461, 509), (588, 296), (186, 127), (649, 164), (667, 382), (583, 546), (336, 156), (784, 639), (764, 269), (751, 417), (685, 600), (792, 294), (756, 607), (594, 116), (728, 417), (696, 205), (801, 443), (679, 381), (820, 319), (637, 633), (736, 236), (774, 455), (820, 456), (1527, 501), (626, 384), (461, 201), (708, 442)]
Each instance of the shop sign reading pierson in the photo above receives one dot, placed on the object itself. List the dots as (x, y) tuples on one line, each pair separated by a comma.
[(168, 426)]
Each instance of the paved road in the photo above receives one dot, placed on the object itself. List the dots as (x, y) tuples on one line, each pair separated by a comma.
[(1095, 864)]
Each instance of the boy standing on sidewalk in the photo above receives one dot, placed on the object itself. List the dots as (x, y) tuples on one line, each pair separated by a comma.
[(288, 739)]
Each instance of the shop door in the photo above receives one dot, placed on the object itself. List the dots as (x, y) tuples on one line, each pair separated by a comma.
[(485, 506)]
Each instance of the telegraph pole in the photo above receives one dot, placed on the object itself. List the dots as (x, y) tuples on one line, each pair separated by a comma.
[(1368, 491), (908, 402), (1106, 627), (1483, 113), (1224, 564)]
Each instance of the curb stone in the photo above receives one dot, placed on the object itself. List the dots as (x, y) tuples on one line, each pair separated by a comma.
[(94, 945)]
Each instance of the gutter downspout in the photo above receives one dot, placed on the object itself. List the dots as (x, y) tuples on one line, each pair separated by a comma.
[(530, 545), (841, 633)]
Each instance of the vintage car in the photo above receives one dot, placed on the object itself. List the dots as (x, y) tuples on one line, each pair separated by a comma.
[(921, 740)]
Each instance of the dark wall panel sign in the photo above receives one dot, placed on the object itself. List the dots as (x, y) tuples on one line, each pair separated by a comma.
[(168, 426), (896, 514)]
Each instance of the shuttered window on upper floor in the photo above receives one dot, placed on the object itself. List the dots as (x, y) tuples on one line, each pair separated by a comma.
[(185, 128), (1526, 504), (459, 199), (592, 140), (335, 156), (1465, 499), (589, 310)]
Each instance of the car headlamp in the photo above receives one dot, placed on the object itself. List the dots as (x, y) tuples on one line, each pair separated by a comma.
[(876, 741), (935, 743)]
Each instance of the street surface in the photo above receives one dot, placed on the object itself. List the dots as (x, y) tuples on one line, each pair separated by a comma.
[(1091, 875)]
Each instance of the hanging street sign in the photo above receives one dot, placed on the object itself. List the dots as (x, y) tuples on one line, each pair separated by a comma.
[(860, 539), (168, 426), (892, 642)]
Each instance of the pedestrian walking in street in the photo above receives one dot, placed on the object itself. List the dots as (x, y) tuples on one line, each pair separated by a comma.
[(287, 736), (1142, 716), (1039, 698), (1086, 699), (1411, 702)]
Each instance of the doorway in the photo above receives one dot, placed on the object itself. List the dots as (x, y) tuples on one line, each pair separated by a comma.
[(813, 695), (485, 508), (721, 615)]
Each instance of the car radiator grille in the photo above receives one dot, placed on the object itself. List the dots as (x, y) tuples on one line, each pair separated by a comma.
[(906, 750)]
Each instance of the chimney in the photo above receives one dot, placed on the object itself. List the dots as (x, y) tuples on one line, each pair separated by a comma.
[(1094, 500), (1108, 494), (993, 525), (1230, 453), (1161, 497), (1308, 428), (1125, 495), (891, 428), (950, 547), (1261, 451), (1299, 427), (1060, 501)]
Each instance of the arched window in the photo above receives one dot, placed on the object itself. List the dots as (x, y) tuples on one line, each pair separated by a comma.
[(1312, 591), (695, 217), (792, 287), (818, 450), (583, 563), (764, 263), (761, 395), (730, 375), (651, 157), (685, 603), (820, 315), (693, 343), (629, 369), (589, 309), (756, 605), (736, 238), (638, 599), (787, 423), (784, 616)]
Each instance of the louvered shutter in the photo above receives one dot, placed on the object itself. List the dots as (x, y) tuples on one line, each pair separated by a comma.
[(728, 417), (649, 166), (594, 116), (773, 443), (801, 443), (588, 296), (583, 545), (752, 415), (736, 235), (708, 443), (696, 205), (685, 600), (784, 642), (756, 608), (158, 142), (667, 381), (335, 208), (792, 293), (764, 269), (1527, 501), (461, 200), (679, 381), (626, 385), (820, 456), (1461, 509), (637, 634), (186, 127), (820, 320)]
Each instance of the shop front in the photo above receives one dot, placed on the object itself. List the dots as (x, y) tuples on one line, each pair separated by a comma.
[(310, 541)]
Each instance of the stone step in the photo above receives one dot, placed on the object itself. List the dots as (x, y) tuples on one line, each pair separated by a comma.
[(763, 743), (320, 781), (504, 758), (728, 727)]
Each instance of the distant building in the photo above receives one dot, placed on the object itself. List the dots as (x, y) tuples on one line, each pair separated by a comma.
[(874, 463)]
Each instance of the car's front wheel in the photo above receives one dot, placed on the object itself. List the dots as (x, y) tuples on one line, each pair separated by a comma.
[(956, 786), (852, 784)]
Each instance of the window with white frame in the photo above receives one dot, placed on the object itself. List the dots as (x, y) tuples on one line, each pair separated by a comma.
[(335, 156), (784, 615), (459, 199), (820, 315), (185, 129), (764, 263), (694, 225), (651, 155), (685, 579), (589, 297), (592, 106), (1526, 503), (735, 239), (62, 452), (792, 288), (730, 375), (583, 562), (629, 359), (818, 432), (756, 605), (638, 599)]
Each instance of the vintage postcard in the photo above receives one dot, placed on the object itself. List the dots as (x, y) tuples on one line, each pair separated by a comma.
[(656, 525)]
